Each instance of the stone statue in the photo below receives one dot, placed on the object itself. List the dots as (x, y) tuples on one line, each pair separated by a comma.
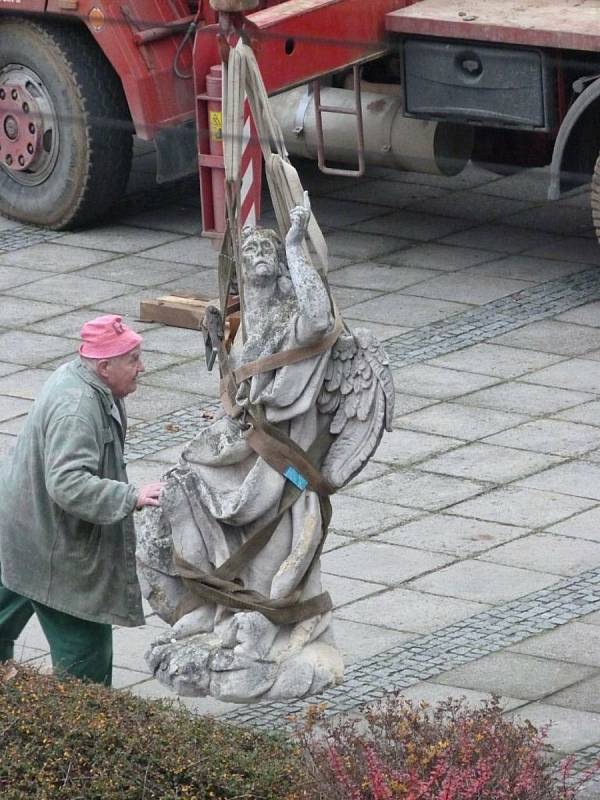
[(254, 624)]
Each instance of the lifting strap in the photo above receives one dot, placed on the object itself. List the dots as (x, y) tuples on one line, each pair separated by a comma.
[(242, 79), (224, 587)]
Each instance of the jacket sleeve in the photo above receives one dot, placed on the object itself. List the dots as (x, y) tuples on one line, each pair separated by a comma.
[(71, 462)]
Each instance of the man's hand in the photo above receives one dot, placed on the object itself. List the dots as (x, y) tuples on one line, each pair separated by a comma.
[(148, 495)]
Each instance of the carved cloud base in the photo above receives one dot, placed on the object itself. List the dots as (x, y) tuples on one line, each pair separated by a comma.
[(200, 665)]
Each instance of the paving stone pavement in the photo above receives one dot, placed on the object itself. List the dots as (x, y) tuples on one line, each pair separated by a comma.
[(465, 559)]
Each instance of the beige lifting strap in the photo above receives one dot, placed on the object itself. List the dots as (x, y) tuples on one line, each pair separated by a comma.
[(287, 357), (224, 587), (243, 79)]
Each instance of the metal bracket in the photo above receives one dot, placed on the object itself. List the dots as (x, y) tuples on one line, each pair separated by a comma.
[(305, 101), (212, 328)]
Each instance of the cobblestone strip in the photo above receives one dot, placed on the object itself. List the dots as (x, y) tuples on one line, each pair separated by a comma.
[(493, 319), (168, 430), (24, 236), (427, 656)]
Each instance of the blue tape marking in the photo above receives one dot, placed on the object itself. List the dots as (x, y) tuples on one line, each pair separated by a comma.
[(296, 478)]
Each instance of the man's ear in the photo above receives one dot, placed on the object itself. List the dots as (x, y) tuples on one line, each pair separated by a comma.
[(102, 368)]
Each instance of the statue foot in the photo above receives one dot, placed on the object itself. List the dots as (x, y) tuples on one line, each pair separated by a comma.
[(200, 620), (255, 635)]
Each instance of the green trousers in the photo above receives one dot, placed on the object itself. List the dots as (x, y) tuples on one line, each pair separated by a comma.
[(77, 647)]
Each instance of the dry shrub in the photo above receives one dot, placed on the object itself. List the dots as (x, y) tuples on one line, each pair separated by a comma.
[(82, 741)]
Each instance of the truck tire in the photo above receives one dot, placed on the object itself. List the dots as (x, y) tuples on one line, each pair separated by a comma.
[(65, 131)]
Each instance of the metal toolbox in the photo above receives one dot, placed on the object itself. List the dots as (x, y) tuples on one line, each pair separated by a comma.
[(478, 83)]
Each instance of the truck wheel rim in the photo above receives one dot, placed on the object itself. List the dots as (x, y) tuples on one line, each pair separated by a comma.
[(29, 132)]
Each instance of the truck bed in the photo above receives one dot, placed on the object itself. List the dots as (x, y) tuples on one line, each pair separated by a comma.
[(563, 24)]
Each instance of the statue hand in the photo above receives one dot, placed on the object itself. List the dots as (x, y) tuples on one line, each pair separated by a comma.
[(299, 217)]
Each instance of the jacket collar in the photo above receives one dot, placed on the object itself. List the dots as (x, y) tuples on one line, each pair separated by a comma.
[(90, 377)]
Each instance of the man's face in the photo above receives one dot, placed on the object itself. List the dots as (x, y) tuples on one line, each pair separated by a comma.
[(120, 373), (261, 262)]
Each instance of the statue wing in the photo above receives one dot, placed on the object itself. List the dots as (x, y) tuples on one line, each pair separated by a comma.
[(358, 393)]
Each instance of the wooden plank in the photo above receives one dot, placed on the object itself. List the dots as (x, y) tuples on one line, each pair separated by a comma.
[(186, 311), (563, 24), (167, 310)]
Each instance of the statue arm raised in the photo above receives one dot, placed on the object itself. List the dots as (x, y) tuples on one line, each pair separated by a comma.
[(314, 304)]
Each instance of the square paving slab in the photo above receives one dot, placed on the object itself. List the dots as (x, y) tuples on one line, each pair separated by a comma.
[(137, 271), (381, 563), (458, 536), (575, 641), (583, 696), (570, 730), (362, 246), (588, 413), (579, 478), (191, 376), (467, 288), (403, 446), (577, 373), (436, 382), (415, 226), (581, 526), (496, 360), (13, 407), (517, 505), (483, 582), (407, 610), (33, 348), (568, 248), (433, 693), (440, 257), (117, 238), (17, 311), (360, 517), (546, 552), (150, 402), (516, 675), (344, 590), (357, 640), (55, 257), (74, 289), (15, 276), (551, 336), (398, 308), (588, 314), (526, 398), (550, 436), (528, 269), (487, 462), (378, 276), (417, 489), (465, 422), (502, 239)]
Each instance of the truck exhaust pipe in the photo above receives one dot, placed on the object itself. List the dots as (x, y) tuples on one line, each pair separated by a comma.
[(390, 140)]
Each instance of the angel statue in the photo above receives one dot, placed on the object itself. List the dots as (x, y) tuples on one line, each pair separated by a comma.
[(231, 558)]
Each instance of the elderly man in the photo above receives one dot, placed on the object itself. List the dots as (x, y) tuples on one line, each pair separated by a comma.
[(67, 541)]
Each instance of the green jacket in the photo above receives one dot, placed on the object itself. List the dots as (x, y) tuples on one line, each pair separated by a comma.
[(66, 529)]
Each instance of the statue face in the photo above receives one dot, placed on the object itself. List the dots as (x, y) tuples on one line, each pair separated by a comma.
[(260, 259)]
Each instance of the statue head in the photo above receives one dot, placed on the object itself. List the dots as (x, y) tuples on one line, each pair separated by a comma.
[(263, 259)]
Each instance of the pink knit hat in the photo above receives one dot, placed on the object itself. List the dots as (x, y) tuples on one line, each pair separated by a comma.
[(107, 337)]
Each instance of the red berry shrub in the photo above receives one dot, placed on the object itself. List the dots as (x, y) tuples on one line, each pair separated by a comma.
[(398, 750)]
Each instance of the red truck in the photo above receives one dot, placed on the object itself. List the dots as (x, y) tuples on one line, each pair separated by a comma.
[(421, 85)]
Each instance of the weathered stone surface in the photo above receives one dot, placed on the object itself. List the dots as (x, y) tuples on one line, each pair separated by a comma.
[(228, 638)]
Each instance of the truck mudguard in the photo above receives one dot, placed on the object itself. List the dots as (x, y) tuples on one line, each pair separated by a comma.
[(586, 100)]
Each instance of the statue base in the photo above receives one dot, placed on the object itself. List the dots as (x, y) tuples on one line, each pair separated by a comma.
[(200, 666)]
